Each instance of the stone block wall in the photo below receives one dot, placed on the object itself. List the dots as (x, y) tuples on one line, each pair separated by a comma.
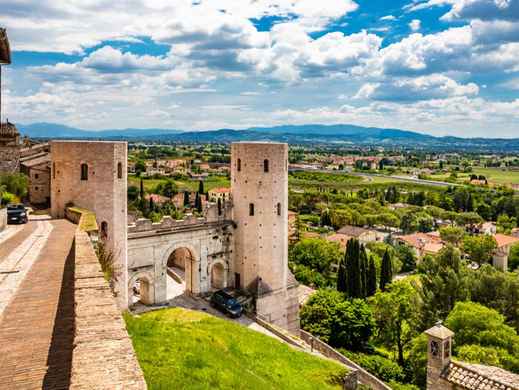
[(3, 219), (103, 356)]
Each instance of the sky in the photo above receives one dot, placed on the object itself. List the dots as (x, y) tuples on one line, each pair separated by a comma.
[(433, 66)]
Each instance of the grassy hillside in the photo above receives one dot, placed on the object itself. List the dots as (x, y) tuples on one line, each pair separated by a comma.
[(184, 349)]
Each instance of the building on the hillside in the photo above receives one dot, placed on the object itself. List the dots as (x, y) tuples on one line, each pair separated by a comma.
[(292, 224), (222, 193), (362, 234), (157, 199), (444, 373), (37, 168), (339, 238), (422, 243), (515, 232), (504, 244), (487, 228)]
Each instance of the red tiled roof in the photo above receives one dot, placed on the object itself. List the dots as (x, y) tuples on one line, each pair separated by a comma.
[(504, 240), (221, 190), (480, 377)]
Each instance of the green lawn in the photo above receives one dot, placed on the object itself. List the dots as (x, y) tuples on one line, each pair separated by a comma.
[(184, 349), (498, 176)]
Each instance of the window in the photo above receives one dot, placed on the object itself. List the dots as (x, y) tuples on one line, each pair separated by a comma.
[(84, 171), (53, 170), (265, 165), (279, 208), (36, 176), (239, 165), (119, 170), (104, 230), (251, 209)]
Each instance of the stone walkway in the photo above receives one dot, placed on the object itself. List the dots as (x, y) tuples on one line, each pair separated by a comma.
[(36, 328)]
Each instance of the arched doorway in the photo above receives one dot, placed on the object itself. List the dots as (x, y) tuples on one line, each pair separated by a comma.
[(218, 279), (141, 290), (179, 270)]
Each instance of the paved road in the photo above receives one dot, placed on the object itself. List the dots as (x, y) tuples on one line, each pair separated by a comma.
[(370, 177), (37, 325)]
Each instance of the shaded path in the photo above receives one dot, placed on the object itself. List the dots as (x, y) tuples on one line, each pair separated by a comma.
[(36, 329)]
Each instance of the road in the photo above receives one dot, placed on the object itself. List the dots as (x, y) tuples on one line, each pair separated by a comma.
[(370, 177)]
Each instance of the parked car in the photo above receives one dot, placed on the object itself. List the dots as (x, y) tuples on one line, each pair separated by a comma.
[(16, 213), (226, 303)]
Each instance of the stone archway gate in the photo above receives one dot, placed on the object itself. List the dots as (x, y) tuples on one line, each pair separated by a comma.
[(209, 241)]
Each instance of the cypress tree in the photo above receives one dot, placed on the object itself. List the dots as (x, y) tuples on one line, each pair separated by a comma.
[(186, 199), (198, 202), (371, 282), (386, 271), (142, 189), (342, 273), (219, 204), (201, 187), (363, 260)]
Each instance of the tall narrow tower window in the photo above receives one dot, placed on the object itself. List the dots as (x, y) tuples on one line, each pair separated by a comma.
[(239, 164), (53, 170), (279, 208), (84, 171), (119, 170), (265, 165), (251, 209)]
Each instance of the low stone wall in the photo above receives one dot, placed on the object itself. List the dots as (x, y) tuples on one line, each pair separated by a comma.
[(3, 219), (103, 356), (364, 377)]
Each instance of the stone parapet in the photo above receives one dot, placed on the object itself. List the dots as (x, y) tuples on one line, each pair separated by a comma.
[(3, 219), (103, 356)]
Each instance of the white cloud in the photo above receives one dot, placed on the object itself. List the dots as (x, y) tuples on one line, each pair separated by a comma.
[(435, 86), (388, 18), (415, 25)]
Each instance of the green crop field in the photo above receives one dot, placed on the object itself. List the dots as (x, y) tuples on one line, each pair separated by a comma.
[(498, 175), (184, 349), (183, 185)]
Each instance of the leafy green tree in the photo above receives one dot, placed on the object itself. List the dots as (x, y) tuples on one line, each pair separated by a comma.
[(396, 312), (513, 258), (386, 271), (325, 218), (352, 270), (477, 325), (17, 184), (479, 248), (444, 280), (497, 290), (505, 223), (316, 253), (168, 189), (201, 187), (133, 193), (198, 202), (140, 167), (468, 219), (406, 256), (452, 234), (142, 189)]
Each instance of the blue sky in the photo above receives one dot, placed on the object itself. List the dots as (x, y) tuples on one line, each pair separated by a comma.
[(433, 66)]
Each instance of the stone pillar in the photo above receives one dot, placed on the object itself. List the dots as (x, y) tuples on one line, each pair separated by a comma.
[(439, 344)]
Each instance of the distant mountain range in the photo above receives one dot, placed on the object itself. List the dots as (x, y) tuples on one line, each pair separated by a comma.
[(295, 134)]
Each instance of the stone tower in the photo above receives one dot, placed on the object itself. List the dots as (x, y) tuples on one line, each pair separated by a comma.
[(439, 346), (92, 175), (259, 185)]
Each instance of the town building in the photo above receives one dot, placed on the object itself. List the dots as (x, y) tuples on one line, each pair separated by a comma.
[(504, 244), (222, 193), (422, 243), (362, 234), (444, 373)]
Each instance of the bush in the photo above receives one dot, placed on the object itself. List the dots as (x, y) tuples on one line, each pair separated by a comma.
[(383, 368)]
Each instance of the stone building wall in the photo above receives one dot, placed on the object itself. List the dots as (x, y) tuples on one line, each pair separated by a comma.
[(259, 185), (3, 219), (9, 159), (103, 191)]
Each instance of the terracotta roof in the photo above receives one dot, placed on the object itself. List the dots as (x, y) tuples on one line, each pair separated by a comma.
[(8, 130), (157, 198), (36, 160), (342, 239), (352, 231), (426, 241), (221, 190), (480, 377), (5, 51), (504, 240)]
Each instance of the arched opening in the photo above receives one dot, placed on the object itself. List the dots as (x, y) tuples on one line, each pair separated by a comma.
[(84, 171), (239, 165), (179, 270), (141, 291), (218, 276)]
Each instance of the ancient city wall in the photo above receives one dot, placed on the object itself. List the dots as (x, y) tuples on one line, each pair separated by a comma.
[(103, 356)]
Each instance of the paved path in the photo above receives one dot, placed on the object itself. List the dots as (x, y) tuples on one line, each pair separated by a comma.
[(36, 328)]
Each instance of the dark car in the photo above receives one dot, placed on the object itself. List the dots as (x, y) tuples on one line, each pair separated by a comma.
[(226, 303), (16, 213)]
